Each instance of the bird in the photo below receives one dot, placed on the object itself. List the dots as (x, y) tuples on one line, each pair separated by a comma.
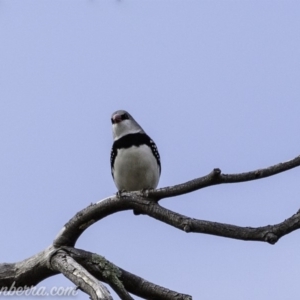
[(135, 161)]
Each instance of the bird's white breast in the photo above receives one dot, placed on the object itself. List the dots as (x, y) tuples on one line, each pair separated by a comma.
[(136, 168)]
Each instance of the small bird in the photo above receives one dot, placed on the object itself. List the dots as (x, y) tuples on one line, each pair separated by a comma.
[(134, 158)]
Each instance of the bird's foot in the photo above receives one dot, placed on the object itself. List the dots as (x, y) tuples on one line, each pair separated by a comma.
[(119, 193)]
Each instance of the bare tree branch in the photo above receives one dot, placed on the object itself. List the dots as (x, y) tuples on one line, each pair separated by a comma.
[(112, 275), (63, 263), (95, 212), (86, 217), (215, 177), (35, 269), (269, 233), (97, 265), (31, 271)]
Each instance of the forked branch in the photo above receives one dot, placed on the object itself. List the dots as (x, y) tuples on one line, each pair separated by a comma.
[(84, 268)]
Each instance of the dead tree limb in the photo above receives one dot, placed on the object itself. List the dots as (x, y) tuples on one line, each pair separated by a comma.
[(85, 268)]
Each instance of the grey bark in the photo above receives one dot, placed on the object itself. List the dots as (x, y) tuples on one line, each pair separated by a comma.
[(84, 269)]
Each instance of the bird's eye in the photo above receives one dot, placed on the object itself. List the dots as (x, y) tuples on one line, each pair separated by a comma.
[(125, 117), (112, 121)]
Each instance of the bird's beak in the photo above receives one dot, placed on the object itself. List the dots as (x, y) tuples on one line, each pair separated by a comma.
[(116, 118)]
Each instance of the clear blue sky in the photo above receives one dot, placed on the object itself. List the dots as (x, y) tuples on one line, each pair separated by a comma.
[(214, 83)]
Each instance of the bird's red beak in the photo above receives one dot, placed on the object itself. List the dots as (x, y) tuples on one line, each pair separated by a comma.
[(116, 118)]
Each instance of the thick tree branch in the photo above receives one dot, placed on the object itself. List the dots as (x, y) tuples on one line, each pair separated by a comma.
[(53, 261), (63, 263), (86, 217), (36, 268), (98, 266), (27, 273)]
